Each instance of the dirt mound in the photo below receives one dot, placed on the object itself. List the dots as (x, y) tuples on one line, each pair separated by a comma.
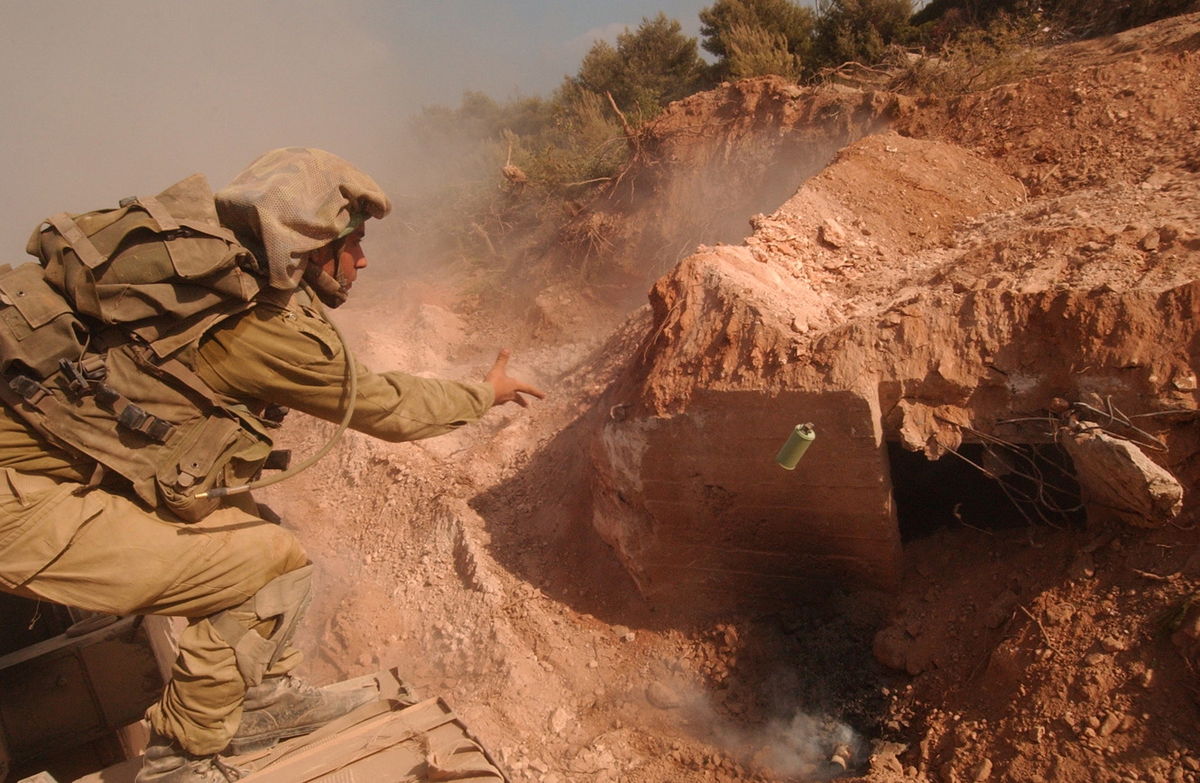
[(711, 161), (1042, 655), (1117, 110), (729, 367), (854, 236)]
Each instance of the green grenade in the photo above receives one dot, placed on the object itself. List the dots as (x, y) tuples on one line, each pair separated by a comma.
[(797, 443)]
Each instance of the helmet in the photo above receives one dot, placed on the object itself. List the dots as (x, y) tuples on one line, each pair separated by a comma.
[(294, 200)]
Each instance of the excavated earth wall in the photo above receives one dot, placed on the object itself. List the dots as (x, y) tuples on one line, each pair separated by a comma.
[(712, 160), (912, 292)]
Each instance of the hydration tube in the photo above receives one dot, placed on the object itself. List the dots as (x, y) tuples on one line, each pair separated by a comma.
[(308, 462)]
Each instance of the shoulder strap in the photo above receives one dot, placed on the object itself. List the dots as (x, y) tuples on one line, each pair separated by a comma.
[(73, 234), (155, 209), (178, 370)]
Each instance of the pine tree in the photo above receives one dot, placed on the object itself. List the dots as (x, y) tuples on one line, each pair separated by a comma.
[(860, 30), (741, 24), (647, 69)]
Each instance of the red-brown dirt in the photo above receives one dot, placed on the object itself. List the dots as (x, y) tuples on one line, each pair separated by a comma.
[(969, 259)]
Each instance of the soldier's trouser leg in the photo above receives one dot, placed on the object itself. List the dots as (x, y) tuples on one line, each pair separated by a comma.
[(121, 559)]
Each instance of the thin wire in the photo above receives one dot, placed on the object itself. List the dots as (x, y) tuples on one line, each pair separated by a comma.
[(1020, 452), (1028, 464), (1171, 412), (1150, 440), (1015, 495)]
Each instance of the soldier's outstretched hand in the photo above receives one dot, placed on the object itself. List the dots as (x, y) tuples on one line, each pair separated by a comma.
[(509, 389)]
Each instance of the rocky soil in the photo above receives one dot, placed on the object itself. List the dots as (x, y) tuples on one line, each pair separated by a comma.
[(1006, 651)]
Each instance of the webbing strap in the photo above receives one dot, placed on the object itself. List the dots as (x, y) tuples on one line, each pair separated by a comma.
[(45, 404), (133, 416), (66, 226), (137, 418), (30, 390), (158, 213), (211, 229)]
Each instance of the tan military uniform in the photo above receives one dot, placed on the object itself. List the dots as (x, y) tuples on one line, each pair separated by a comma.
[(99, 550)]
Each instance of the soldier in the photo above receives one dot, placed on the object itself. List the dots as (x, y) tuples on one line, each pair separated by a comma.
[(241, 581)]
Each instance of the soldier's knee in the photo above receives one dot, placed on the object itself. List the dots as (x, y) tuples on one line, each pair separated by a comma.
[(259, 629), (293, 556), (281, 552)]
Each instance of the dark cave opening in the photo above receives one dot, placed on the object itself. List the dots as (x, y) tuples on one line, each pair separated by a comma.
[(983, 486)]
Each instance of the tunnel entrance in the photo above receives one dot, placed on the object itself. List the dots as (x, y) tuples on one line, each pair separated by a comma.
[(984, 486)]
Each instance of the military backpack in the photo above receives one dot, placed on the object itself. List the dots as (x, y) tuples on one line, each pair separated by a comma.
[(95, 342)]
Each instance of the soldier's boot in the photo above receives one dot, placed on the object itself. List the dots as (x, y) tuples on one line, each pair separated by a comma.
[(165, 761), (286, 706)]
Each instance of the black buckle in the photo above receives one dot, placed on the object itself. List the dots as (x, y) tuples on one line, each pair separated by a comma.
[(158, 429), (275, 413), (140, 420), (84, 375), (29, 389), (133, 417), (107, 395), (76, 380)]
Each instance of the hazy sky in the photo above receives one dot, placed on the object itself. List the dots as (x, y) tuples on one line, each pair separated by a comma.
[(108, 98)]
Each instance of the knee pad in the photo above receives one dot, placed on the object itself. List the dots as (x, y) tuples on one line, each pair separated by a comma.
[(283, 601)]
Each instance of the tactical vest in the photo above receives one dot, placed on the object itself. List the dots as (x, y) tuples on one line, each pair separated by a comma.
[(94, 343)]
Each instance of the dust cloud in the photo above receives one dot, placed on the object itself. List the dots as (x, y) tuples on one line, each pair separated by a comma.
[(793, 745), (805, 747), (107, 100)]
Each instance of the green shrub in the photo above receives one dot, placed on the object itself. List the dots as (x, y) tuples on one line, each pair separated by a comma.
[(756, 51), (730, 30), (860, 30), (647, 69)]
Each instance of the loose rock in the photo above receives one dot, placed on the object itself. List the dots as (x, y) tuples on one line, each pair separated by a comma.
[(1059, 614), (1113, 644), (832, 233), (1112, 721)]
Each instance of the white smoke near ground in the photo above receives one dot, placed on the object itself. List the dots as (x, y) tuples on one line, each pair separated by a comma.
[(797, 746), (804, 747)]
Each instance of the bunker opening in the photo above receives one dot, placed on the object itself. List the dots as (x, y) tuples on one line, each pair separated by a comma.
[(988, 486)]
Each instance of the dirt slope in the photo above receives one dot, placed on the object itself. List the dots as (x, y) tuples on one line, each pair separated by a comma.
[(1012, 653)]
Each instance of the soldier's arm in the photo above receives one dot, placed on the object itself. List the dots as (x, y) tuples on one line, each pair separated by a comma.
[(292, 358)]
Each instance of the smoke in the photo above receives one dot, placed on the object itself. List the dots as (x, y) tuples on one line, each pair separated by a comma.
[(794, 745), (804, 747)]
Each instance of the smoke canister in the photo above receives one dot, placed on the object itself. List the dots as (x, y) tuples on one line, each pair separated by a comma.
[(797, 443)]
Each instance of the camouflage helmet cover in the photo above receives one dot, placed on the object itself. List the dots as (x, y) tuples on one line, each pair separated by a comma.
[(294, 200)]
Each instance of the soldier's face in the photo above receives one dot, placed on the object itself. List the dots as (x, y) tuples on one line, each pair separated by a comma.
[(345, 259)]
